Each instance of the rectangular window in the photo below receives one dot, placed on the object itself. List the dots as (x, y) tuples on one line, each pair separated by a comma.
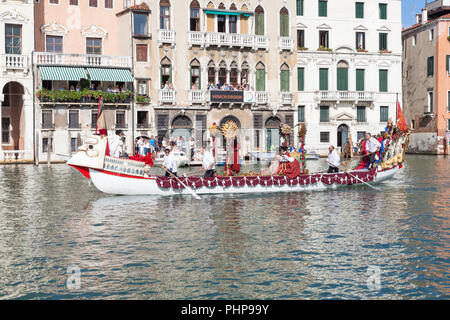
[(361, 114), (448, 64), (260, 80), (382, 37), (126, 4), (141, 53), (430, 66), (93, 46), (54, 1), (360, 135), (342, 79), (74, 121), (140, 24), (383, 80), (324, 114), (384, 114), (285, 81), (430, 102), (13, 39), (6, 122), (448, 101), (47, 145), (142, 119), (93, 3), (323, 79), (54, 44), (109, 4), (323, 39), (164, 16), (383, 10), (142, 87), (120, 119), (324, 137), (47, 119), (323, 8), (221, 26), (360, 77), (232, 24), (414, 40), (195, 19), (300, 39), (301, 114), (94, 118), (299, 7), (73, 144), (359, 10), (73, 2), (360, 40), (301, 79), (431, 34)]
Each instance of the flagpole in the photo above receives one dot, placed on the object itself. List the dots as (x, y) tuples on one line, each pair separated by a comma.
[(98, 112)]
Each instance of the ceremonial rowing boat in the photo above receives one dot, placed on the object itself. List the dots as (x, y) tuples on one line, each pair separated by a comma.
[(128, 177)]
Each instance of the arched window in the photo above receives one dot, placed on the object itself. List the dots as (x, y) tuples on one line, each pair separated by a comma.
[(260, 77), (222, 6), (232, 20), (342, 75), (166, 73), (181, 122), (211, 73), (273, 133), (164, 15), (285, 78), (234, 74), (244, 74), (196, 73), (194, 16), (222, 73), (284, 22), (259, 21)]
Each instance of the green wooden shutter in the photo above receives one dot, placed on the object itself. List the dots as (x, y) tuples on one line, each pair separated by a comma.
[(301, 79), (284, 81), (323, 8), (301, 114), (448, 63), (324, 114), (323, 79), (430, 66), (299, 7), (284, 25), (382, 37), (360, 79), (361, 114), (342, 79), (359, 10), (384, 114), (383, 11), (259, 24), (383, 80), (199, 78), (260, 80)]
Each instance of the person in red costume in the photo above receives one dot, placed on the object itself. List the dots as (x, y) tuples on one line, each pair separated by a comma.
[(364, 160), (232, 165), (289, 166)]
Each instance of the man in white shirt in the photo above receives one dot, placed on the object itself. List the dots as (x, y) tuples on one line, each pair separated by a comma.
[(373, 147), (334, 160), (170, 164), (208, 163)]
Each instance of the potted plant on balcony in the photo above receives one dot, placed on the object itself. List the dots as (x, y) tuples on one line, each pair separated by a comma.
[(142, 99), (384, 51), (321, 48), (86, 95), (303, 49), (361, 50)]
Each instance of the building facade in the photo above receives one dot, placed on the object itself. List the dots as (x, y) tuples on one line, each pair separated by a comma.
[(348, 68), (16, 82), (426, 78)]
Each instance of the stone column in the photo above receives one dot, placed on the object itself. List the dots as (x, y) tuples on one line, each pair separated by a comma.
[(216, 75), (228, 75)]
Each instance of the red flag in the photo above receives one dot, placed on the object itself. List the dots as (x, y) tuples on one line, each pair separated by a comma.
[(401, 123)]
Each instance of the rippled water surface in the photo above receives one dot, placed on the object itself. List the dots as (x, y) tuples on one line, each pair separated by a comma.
[(279, 246)]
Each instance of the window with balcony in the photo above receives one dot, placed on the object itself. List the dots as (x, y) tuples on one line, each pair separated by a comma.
[(47, 119), (324, 114), (359, 10), (260, 77), (285, 78), (383, 80), (166, 73), (299, 7), (221, 24), (284, 22), (164, 15), (211, 73), (222, 73), (323, 39), (47, 145), (244, 73), (74, 121), (142, 86), (360, 79), (109, 4), (323, 79), (383, 42), (195, 75), (232, 24), (141, 24), (323, 8), (361, 41), (324, 137), (93, 3), (361, 114), (13, 39), (342, 76), (234, 74), (141, 52), (120, 119), (430, 66), (300, 39), (6, 122), (93, 46), (382, 8), (384, 114), (54, 44), (195, 16), (301, 114), (259, 21), (301, 79)]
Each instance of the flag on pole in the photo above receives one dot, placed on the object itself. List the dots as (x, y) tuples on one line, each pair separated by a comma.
[(401, 123)]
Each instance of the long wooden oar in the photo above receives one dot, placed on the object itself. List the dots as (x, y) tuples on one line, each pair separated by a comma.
[(192, 192), (351, 175)]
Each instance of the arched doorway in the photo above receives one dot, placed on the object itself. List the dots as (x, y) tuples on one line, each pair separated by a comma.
[(342, 135), (225, 120), (182, 127), (13, 125), (273, 138)]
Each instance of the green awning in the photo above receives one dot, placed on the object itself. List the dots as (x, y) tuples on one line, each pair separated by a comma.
[(113, 75), (226, 13), (63, 73)]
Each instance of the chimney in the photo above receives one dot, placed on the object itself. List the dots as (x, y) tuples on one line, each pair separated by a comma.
[(424, 16), (418, 18)]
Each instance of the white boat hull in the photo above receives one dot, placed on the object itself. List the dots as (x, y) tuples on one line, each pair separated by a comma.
[(113, 183)]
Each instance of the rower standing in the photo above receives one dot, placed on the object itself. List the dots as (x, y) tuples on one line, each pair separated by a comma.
[(170, 164), (373, 146), (334, 160), (208, 163)]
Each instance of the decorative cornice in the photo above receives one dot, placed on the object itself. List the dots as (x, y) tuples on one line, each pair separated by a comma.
[(13, 16), (54, 29), (94, 31)]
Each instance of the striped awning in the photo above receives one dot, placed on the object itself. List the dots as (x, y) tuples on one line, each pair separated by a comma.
[(113, 75), (63, 73)]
